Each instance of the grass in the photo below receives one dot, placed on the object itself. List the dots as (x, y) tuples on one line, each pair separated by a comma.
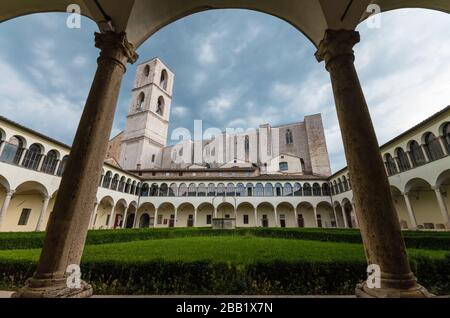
[(228, 249)]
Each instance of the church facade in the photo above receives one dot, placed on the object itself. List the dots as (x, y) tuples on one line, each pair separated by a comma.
[(272, 176)]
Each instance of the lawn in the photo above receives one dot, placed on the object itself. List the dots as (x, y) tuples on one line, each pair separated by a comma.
[(228, 249)]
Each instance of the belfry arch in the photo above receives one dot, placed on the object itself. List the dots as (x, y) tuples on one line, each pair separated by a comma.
[(125, 25)]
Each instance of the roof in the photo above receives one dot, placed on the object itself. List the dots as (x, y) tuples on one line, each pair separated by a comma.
[(265, 177), (410, 130)]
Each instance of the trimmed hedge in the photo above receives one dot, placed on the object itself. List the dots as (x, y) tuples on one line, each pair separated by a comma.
[(413, 239), (195, 278)]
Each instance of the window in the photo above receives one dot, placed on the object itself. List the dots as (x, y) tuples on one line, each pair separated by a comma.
[(182, 190), (160, 108), (433, 147), (240, 190), (297, 190), (259, 190), (163, 190), (160, 219), (247, 145), (211, 190), (50, 162), (307, 190), (402, 160), (32, 157), (390, 165), (24, 216), (446, 136), (230, 190), (154, 190), (164, 80), (284, 166), (249, 188), (140, 102), (289, 137), (115, 182), (317, 190), (209, 219), (288, 190), (345, 183), (173, 191), (12, 151), (245, 219), (326, 189), (279, 190), (192, 190), (268, 190), (145, 190), (153, 158), (220, 189), (121, 184), (201, 192), (147, 70), (302, 163)]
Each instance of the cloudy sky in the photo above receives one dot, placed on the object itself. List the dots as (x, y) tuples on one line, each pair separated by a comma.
[(233, 68)]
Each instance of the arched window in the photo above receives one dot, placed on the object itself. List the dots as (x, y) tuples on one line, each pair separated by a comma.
[(121, 184), (278, 190), (446, 136), (433, 147), (249, 189), (335, 186), (340, 186), (259, 190), (139, 189), (133, 188), (127, 186), (192, 190), (211, 190), (140, 102), (288, 190), (402, 160), (417, 156), (289, 137), (332, 189), (307, 191), (297, 189), (107, 180), (201, 191), (173, 190), (164, 80), (147, 70), (317, 191), (240, 190), (390, 165), (345, 183), (163, 190), (115, 182), (160, 106), (268, 190), (247, 145), (145, 190), (154, 190), (32, 157), (220, 190), (12, 151), (230, 190), (284, 166), (62, 166), (326, 189), (50, 162), (182, 190)]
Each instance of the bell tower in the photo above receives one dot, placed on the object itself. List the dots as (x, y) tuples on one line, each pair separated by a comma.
[(148, 117)]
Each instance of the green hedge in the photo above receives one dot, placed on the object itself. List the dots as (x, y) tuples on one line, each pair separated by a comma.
[(413, 239), (272, 278)]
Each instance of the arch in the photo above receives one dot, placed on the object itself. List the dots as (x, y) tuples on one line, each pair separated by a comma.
[(443, 179), (133, 188), (417, 184), (160, 106), (50, 162), (249, 190), (192, 190), (225, 210), (402, 159), (240, 190), (265, 212), (166, 216), (163, 190), (317, 190), (154, 189), (389, 162), (325, 215), (326, 189), (345, 183), (128, 186), (416, 153), (231, 191), (140, 102), (144, 221), (173, 190), (220, 191), (305, 215), (62, 165), (129, 222), (289, 137), (268, 190), (33, 156), (115, 182), (107, 179), (138, 188), (286, 214), (145, 190), (185, 215), (432, 146), (205, 214), (288, 190), (121, 187), (31, 187), (147, 70), (298, 189), (444, 131), (278, 190), (164, 79), (13, 149), (307, 190)]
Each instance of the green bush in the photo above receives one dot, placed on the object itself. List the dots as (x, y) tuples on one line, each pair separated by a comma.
[(270, 278), (413, 239)]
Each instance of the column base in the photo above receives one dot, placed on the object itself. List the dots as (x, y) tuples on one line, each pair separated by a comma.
[(417, 291), (52, 288)]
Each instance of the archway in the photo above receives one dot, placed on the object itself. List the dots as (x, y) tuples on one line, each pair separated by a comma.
[(147, 209), (205, 214), (325, 215), (305, 215), (185, 215), (401, 208), (286, 215), (266, 215), (103, 217), (226, 210), (119, 214), (245, 215), (166, 215)]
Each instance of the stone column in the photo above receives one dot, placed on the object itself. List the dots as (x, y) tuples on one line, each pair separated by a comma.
[(295, 217), (155, 221), (356, 214), (335, 217), (255, 211), (380, 229), (425, 153), (5, 206), (94, 212), (215, 212), (2, 146), (112, 220), (344, 216), (195, 217), (124, 220), (315, 216), (68, 225), (43, 213), (409, 208), (176, 216), (442, 207), (277, 223), (443, 145)]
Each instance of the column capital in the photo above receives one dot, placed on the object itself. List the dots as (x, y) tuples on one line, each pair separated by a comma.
[(10, 193), (436, 188), (116, 46), (337, 43)]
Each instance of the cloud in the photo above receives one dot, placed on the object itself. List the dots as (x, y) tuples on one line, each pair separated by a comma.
[(207, 47), (224, 102), (179, 111)]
